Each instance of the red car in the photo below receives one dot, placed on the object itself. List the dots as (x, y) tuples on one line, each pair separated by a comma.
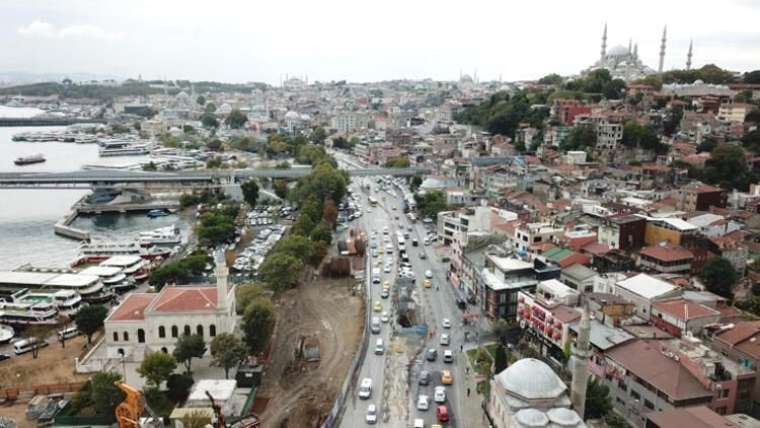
[(442, 412)]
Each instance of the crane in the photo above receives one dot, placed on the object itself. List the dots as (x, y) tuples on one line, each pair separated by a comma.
[(129, 411)]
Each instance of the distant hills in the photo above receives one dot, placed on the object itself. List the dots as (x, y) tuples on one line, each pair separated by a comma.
[(12, 78)]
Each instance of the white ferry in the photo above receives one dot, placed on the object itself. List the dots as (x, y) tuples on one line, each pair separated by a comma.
[(98, 251), (113, 277), (125, 148), (89, 287), (169, 235), (130, 265)]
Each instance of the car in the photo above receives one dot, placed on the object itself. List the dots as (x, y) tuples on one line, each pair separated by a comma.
[(371, 414), (431, 354), (448, 356), (365, 388), (439, 394), (385, 294), (424, 378), (429, 274), (378, 306), (423, 256), (446, 378), (423, 402), (379, 347), (446, 323), (442, 413), (393, 208), (427, 283), (444, 339), (376, 280), (427, 220), (385, 317), (4, 357), (418, 423), (387, 269)]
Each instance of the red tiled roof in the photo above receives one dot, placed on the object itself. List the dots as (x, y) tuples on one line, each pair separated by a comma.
[(684, 309), (742, 331), (597, 249), (645, 359), (667, 253), (133, 307), (565, 314), (185, 299), (693, 417)]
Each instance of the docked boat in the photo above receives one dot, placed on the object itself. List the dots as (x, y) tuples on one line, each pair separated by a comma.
[(169, 235), (157, 213), (21, 314), (124, 148), (89, 287), (28, 160), (133, 266), (6, 334), (113, 277), (98, 251)]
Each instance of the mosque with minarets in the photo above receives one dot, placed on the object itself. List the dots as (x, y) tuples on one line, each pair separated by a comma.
[(624, 63)]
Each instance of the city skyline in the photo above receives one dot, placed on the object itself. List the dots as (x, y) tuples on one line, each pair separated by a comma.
[(334, 40)]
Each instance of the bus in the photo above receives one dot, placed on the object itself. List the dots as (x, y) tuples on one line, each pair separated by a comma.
[(372, 201), (26, 345)]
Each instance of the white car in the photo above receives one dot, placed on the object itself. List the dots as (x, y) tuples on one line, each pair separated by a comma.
[(429, 274), (384, 317), (423, 402), (444, 339), (371, 414), (439, 396), (446, 323), (387, 269), (365, 388)]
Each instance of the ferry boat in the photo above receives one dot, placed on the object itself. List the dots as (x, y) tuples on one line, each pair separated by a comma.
[(157, 213), (6, 334), (134, 266), (169, 235), (24, 314), (89, 287), (98, 251), (28, 160), (124, 148), (66, 302), (113, 277)]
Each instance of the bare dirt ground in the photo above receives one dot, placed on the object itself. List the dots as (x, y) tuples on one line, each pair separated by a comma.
[(52, 365), (301, 393)]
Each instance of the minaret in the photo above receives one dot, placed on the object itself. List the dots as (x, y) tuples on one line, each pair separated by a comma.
[(636, 51), (662, 48), (580, 364), (221, 280), (630, 44), (688, 56), (604, 43)]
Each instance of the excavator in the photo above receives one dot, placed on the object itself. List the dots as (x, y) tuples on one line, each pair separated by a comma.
[(129, 411)]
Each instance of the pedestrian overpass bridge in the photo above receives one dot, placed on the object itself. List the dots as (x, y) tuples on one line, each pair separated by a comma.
[(88, 179)]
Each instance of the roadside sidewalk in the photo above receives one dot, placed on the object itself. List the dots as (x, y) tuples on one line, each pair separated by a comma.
[(472, 410)]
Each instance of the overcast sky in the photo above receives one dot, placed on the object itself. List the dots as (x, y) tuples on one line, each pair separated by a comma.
[(262, 40)]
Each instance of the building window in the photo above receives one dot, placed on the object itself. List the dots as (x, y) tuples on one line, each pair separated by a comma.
[(140, 335), (121, 352), (161, 332), (635, 394), (115, 336), (649, 405), (622, 385), (199, 330), (164, 350), (125, 336), (212, 330), (620, 401), (175, 331), (723, 393), (187, 330)]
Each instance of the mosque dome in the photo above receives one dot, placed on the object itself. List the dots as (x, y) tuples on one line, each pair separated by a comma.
[(531, 379), (564, 417), (466, 78), (292, 115), (532, 418), (618, 50)]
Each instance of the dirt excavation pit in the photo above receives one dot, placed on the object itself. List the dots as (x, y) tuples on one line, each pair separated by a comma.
[(323, 314)]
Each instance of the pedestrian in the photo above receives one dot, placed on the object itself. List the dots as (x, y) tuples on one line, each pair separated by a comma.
[(461, 348), (467, 370), (468, 392)]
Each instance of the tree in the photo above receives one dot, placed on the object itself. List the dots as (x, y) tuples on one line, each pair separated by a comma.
[(281, 271), (643, 137), (330, 212), (752, 77), (598, 403), (227, 351), (280, 187), (90, 319), (258, 324), (250, 192), (727, 167), (40, 333), (415, 183), (104, 393), (397, 162), (210, 108), (753, 116), (322, 232), (236, 119), (189, 346), (719, 276), (551, 79), (178, 386), (500, 328), (431, 204), (208, 120), (201, 100), (246, 294), (579, 138), (156, 368), (150, 166), (319, 135), (214, 163), (614, 420), (214, 145)]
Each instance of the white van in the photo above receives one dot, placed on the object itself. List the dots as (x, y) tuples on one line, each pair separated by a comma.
[(68, 333), (27, 345), (379, 347), (365, 388)]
